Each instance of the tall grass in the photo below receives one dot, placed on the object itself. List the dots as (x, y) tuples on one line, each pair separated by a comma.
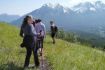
[(62, 56), (69, 56)]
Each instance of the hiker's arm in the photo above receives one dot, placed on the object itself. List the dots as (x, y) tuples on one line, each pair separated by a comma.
[(56, 29), (50, 28), (21, 32), (44, 29), (32, 31)]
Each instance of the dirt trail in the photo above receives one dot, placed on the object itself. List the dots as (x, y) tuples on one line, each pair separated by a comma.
[(44, 65)]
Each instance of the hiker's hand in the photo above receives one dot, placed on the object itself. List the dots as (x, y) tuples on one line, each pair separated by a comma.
[(38, 33)]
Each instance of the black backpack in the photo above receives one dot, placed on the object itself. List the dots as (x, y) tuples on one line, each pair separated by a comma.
[(54, 29)]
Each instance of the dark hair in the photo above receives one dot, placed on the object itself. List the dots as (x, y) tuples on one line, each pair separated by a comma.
[(51, 22), (25, 21), (34, 23), (38, 20)]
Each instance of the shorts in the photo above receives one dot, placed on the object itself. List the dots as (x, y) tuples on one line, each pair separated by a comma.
[(40, 43)]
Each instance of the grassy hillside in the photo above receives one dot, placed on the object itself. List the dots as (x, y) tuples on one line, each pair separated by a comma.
[(61, 56)]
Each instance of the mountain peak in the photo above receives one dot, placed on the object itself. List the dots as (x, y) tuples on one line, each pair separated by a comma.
[(99, 4), (52, 5), (88, 6), (56, 7), (48, 5)]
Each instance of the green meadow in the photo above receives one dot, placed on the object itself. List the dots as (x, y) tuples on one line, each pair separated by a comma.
[(61, 56)]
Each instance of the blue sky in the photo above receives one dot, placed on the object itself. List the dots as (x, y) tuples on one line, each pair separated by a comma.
[(21, 7)]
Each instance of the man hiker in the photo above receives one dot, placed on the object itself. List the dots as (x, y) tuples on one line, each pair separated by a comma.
[(54, 30), (40, 28)]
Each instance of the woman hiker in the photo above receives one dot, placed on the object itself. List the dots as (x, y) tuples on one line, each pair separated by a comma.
[(29, 33)]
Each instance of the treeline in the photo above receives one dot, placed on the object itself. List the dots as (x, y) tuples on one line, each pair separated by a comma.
[(91, 40), (71, 37)]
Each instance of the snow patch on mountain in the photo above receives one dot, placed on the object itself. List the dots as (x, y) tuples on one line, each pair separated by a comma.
[(57, 6), (92, 9), (88, 6)]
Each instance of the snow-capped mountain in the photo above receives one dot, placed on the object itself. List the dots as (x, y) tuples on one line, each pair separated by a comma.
[(86, 16), (83, 7), (87, 6), (99, 5), (47, 12)]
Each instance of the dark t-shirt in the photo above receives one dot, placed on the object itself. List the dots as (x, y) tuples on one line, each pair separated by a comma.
[(54, 29)]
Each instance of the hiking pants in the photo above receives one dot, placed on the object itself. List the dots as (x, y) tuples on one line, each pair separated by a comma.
[(28, 55)]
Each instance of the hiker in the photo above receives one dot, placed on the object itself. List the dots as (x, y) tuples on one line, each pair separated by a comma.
[(54, 30), (28, 33), (40, 28)]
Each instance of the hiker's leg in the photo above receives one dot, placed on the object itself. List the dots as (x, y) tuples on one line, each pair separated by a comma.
[(53, 40), (28, 55), (36, 59), (52, 36), (40, 47), (41, 43)]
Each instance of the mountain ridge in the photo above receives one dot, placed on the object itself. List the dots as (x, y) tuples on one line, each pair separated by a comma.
[(70, 19), (8, 18)]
